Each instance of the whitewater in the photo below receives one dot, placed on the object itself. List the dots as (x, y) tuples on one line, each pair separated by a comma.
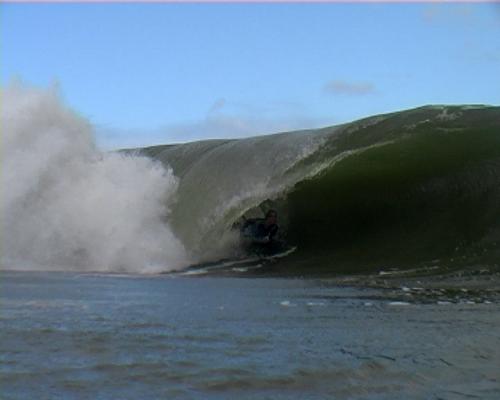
[(68, 206)]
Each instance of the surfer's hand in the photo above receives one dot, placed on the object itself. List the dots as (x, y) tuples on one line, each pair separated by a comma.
[(262, 240)]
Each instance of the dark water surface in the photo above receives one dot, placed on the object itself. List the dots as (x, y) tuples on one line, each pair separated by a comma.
[(71, 336)]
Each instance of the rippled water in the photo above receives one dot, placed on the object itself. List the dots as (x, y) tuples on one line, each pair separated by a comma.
[(70, 336)]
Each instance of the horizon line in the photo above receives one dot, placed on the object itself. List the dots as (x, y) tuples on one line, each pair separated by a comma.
[(242, 1)]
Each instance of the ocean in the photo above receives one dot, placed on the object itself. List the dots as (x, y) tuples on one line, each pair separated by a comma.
[(67, 336)]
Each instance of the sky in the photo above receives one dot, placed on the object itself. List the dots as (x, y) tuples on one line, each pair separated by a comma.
[(146, 74)]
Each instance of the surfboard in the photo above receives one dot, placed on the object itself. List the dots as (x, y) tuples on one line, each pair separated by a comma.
[(242, 264)]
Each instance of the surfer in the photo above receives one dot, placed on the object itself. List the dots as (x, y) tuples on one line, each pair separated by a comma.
[(261, 234)]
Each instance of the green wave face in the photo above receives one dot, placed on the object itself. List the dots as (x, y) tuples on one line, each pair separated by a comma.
[(433, 193), (394, 190), (415, 200)]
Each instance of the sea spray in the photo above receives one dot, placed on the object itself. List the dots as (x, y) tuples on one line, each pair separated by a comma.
[(67, 206)]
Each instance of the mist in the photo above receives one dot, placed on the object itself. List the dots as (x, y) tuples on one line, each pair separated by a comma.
[(65, 205)]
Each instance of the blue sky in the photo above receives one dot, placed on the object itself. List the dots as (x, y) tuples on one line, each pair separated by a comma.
[(158, 73)]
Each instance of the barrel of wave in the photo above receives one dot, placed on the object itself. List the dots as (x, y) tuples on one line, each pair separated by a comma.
[(220, 180)]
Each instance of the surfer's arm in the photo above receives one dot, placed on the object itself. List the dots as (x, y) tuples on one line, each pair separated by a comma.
[(273, 232), (261, 240)]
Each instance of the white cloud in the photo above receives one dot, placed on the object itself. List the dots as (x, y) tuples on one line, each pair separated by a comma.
[(224, 119), (442, 12), (216, 125), (349, 88), (231, 126)]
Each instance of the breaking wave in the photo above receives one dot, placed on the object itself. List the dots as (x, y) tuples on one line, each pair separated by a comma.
[(398, 189)]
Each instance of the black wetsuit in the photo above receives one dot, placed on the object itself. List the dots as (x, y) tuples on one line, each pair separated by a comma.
[(262, 231), (262, 237)]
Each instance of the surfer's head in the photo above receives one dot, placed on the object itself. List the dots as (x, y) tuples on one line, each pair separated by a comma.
[(271, 217)]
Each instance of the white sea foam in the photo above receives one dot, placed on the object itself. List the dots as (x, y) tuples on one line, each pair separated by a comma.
[(399, 303), (66, 205), (287, 303)]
